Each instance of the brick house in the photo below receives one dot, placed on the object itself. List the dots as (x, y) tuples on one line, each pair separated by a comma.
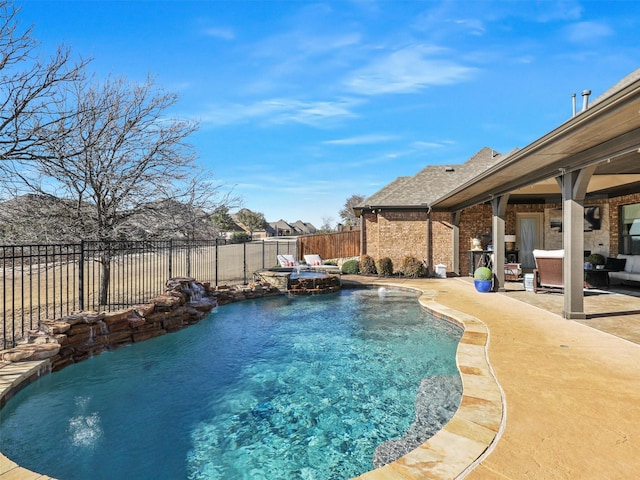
[(397, 220), (576, 188)]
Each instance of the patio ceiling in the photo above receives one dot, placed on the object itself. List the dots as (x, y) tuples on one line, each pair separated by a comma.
[(606, 134)]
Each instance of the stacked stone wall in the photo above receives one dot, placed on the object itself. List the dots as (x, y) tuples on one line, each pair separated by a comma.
[(73, 338)]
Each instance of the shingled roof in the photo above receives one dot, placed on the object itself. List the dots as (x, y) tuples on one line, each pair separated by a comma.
[(431, 183)]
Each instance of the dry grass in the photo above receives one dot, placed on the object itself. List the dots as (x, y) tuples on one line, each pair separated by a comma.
[(35, 292)]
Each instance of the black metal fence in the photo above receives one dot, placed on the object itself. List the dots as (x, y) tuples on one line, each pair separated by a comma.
[(49, 281)]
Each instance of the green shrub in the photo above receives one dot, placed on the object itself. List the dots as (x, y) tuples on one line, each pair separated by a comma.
[(367, 265), (412, 267), (239, 237), (385, 267), (351, 267), (483, 273), (596, 259)]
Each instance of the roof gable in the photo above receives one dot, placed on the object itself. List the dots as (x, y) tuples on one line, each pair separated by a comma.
[(432, 182)]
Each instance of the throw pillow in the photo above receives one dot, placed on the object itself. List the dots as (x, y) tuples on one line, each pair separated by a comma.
[(616, 264)]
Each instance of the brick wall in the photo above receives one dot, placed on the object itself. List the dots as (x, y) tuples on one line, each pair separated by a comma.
[(370, 235), (474, 222), (400, 233), (441, 240), (395, 235)]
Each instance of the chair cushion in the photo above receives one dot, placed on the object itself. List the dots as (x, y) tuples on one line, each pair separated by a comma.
[(548, 253)]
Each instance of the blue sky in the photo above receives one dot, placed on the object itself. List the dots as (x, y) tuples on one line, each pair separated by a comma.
[(302, 104)]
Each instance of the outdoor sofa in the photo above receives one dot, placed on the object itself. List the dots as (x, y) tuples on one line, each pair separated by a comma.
[(627, 268)]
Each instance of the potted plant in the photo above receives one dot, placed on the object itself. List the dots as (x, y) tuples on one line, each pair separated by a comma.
[(483, 279), (596, 259)]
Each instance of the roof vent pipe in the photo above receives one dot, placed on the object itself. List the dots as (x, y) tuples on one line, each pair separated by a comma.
[(585, 99), (573, 103)]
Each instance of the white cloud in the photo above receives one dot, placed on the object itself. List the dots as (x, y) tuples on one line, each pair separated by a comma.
[(430, 145), (223, 33), (362, 140), (407, 70), (558, 11), (474, 26), (294, 50), (585, 32), (282, 111)]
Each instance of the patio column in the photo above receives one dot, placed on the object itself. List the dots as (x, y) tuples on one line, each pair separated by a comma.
[(574, 188), (499, 208), (455, 241)]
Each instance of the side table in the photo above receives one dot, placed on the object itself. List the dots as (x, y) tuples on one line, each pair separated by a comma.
[(595, 278)]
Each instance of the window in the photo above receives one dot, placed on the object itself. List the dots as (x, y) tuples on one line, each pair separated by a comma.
[(630, 229)]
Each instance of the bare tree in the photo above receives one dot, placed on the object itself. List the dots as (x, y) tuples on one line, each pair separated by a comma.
[(347, 214), (327, 223), (119, 152), (28, 88), (187, 210)]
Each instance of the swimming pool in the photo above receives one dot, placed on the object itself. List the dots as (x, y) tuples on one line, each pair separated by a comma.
[(303, 387)]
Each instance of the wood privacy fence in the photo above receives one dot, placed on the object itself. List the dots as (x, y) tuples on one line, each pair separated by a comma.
[(330, 245)]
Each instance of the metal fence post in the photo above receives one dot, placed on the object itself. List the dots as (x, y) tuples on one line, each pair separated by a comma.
[(170, 259), (81, 277), (216, 263), (244, 261)]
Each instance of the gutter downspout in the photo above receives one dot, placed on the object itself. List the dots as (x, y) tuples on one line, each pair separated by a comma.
[(429, 242), (363, 222)]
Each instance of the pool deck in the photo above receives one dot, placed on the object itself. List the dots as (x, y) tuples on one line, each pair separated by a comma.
[(557, 399)]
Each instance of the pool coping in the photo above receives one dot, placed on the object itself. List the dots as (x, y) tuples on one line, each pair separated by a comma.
[(475, 427), (463, 443), (14, 377)]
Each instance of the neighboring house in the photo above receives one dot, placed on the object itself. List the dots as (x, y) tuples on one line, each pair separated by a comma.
[(274, 229), (282, 228), (255, 235), (303, 228), (576, 188), (285, 229), (237, 227)]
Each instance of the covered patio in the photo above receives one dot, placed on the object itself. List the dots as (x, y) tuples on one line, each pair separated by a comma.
[(594, 155)]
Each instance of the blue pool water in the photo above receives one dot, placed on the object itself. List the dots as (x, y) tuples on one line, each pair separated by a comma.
[(279, 388)]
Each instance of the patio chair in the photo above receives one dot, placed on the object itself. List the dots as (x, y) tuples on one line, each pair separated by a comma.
[(548, 275), (512, 272), (315, 261), (289, 261)]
